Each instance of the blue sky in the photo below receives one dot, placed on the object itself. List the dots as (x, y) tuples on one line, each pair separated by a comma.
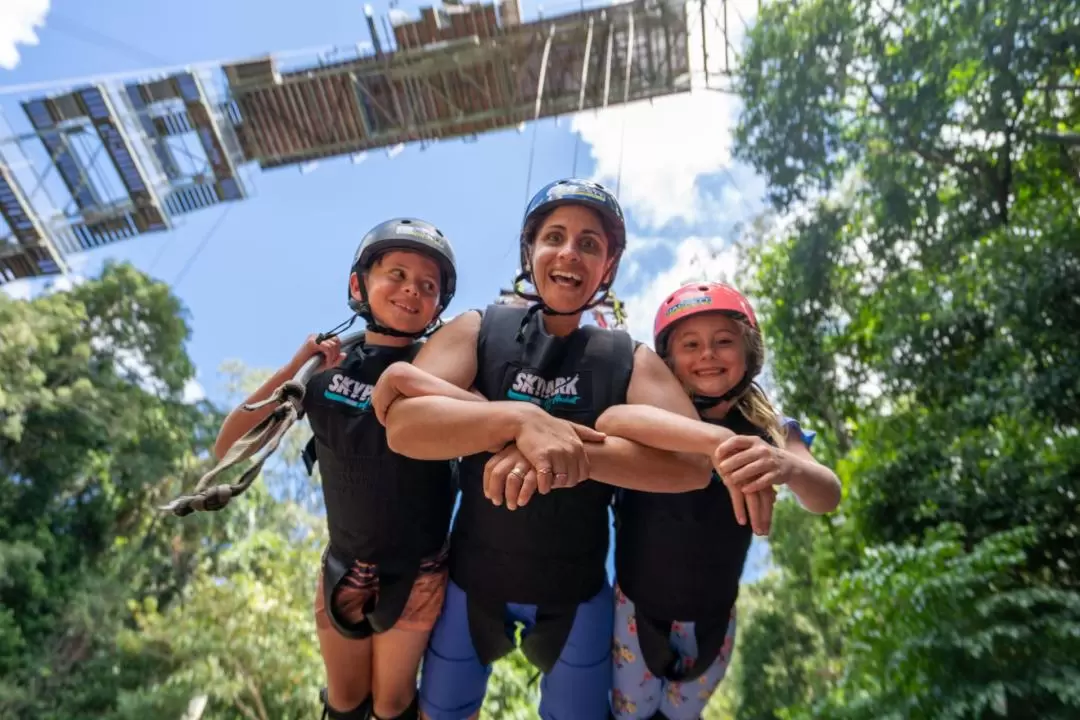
[(275, 268)]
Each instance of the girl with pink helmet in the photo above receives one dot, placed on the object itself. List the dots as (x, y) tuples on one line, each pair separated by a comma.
[(679, 557)]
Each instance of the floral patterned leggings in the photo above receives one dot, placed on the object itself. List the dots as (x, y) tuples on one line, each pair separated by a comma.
[(637, 693)]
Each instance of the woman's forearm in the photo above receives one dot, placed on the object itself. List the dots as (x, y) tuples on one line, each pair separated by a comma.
[(624, 463), (663, 430), (443, 428), (816, 486)]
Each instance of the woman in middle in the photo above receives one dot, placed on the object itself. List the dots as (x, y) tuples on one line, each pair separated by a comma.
[(541, 381)]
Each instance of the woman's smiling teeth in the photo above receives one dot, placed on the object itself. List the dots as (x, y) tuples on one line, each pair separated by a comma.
[(709, 372), (569, 279), (405, 308)]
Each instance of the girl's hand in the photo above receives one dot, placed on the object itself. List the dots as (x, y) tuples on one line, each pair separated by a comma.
[(749, 464)]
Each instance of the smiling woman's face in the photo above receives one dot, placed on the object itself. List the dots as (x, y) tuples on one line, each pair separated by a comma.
[(570, 257), (707, 353)]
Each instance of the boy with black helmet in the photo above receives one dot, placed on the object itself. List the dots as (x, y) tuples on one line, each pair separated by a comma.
[(543, 381), (383, 577)]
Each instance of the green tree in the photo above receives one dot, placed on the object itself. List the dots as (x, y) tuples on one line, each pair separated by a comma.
[(93, 430), (920, 298)]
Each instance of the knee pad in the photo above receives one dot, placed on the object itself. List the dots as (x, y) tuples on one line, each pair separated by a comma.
[(360, 712), (410, 713)]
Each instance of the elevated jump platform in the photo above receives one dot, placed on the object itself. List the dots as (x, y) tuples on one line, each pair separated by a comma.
[(130, 154), (458, 73)]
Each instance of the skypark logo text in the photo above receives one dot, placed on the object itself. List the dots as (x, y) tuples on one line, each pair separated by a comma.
[(548, 394), (345, 390)]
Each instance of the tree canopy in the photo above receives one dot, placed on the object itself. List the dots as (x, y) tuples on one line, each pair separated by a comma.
[(920, 292)]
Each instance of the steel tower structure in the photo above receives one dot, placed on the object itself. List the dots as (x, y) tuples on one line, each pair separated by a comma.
[(109, 159)]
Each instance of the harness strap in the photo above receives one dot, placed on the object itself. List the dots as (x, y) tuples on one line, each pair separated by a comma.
[(382, 611), (310, 455), (492, 633), (664, 662), (360, 712), (258, 444)]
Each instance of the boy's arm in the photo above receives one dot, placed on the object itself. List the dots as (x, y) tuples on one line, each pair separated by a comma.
[(240, 421), (405, 380)]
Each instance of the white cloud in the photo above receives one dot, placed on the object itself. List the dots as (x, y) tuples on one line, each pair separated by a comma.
[(193, 391), (696, 258), (18, 289), (19, 20), (656, 152)]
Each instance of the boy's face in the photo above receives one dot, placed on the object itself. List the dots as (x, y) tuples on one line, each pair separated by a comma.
[(403, 290)]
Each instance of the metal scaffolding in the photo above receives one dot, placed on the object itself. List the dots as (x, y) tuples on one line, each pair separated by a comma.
[(127, 155)]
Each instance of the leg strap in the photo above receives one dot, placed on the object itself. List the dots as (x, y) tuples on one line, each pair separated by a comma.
[(663, 661), (382, 611), (492, 633), (360, 712)]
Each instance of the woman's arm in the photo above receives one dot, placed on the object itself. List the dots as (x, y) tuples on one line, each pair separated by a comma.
[(402, 379), (662, 429), (441, 428)]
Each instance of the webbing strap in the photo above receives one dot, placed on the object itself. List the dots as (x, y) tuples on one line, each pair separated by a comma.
[(258, 444)]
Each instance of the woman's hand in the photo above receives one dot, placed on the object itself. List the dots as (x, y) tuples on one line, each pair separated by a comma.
[(555, 448), (509, 476), (750, 464)]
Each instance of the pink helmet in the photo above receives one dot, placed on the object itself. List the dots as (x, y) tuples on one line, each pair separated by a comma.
[(693, 299)]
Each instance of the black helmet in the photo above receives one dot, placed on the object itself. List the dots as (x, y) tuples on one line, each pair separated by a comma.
[(403, 234), (573, 191)]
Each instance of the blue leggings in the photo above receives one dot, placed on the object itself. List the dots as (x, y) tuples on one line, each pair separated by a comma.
[(453, 682)]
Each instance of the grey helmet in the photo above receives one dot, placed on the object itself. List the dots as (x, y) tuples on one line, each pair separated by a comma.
[(403, 234)]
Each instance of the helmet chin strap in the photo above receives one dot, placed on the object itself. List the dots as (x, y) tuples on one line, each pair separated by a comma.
[(541, 306), (375, 326), (708, 402)]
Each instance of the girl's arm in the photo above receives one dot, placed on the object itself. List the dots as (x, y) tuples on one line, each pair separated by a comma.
[(816, 486), (647, 458), (240, 421)]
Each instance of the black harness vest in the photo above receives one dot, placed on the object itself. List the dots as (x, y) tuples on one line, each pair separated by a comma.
[(679, 557), (381, 507), (552, 552)]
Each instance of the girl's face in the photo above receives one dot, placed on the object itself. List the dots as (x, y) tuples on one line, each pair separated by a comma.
[(402, 289), (707, 353), (569, 257)]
